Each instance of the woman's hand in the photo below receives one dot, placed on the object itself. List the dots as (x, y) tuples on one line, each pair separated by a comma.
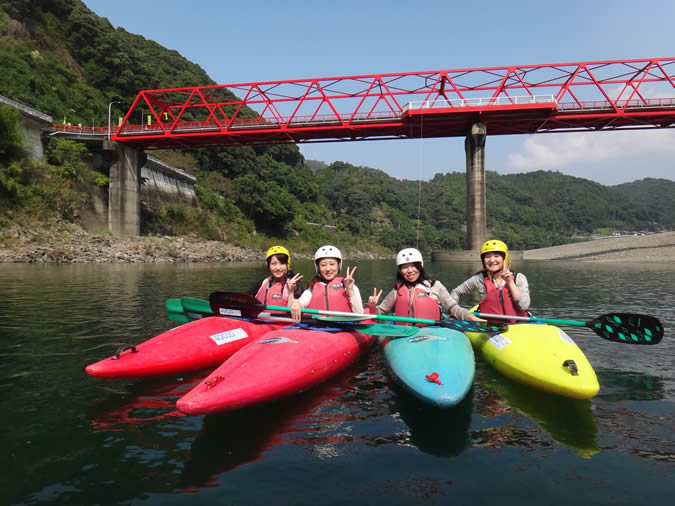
[(293, 282), (373, 300), (296, 310), (507, 275), (348, 282), (473, 318)]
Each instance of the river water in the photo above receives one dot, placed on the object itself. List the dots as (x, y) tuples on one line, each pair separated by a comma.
[(67, 438)]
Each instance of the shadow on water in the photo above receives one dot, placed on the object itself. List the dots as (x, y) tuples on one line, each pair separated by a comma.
[(629, 385), (436, 431), (568, 421)]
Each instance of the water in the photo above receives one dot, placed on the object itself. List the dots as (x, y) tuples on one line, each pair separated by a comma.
[(67, 438)]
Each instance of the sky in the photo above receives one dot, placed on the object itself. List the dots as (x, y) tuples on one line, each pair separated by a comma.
[(270, 40)]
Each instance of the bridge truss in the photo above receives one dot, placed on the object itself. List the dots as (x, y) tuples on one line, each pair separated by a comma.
[(564, 97)]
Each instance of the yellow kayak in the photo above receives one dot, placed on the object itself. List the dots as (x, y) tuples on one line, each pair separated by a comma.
[(541, 356)]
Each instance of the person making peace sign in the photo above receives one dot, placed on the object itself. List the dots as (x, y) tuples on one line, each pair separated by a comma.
[(327, 290), (282, 284)]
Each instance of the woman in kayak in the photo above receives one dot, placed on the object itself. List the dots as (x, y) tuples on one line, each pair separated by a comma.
[(501, 291), (416, 294), (327, 290), (282, 284)]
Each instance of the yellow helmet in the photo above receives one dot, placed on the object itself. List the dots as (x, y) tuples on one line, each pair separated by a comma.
[(278, 250), (497, 246)]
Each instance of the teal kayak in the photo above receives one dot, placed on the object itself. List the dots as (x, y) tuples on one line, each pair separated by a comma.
[(435, 365)]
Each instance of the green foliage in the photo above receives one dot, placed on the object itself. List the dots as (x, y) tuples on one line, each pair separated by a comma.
[(11, 135), (69, 160)]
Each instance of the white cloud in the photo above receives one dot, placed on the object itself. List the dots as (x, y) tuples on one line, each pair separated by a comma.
[(556, 151)]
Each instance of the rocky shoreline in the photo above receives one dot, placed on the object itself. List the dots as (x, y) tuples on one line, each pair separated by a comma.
[(71, 244)]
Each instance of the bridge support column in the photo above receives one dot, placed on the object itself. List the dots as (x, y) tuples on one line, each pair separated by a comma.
[(476, 215), (124, 205)]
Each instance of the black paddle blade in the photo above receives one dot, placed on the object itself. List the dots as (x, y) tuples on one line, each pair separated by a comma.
[(469, 326), (235, 304), (628, 328)]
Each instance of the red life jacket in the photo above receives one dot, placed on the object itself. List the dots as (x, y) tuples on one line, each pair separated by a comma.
[(330, 296), (423, 305), (499, 301), (275, 294)]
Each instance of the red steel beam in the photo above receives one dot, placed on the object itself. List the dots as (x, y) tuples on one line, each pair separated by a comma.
[(582, 96)]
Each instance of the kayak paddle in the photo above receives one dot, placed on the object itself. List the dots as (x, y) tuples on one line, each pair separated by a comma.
[(618, 327), (188, 309), (225, 302)]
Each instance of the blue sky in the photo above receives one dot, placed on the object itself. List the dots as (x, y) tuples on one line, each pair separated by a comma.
[(237, 42)]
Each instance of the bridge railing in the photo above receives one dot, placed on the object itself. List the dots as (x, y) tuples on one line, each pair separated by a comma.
[(481, 102), (601, 105), (374, 116)]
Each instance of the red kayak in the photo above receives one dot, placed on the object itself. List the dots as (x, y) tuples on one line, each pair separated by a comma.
[(193, 346), (281, 363)]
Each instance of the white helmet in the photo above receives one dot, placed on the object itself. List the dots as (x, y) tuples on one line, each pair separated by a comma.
[(409, 255), (327, 251)]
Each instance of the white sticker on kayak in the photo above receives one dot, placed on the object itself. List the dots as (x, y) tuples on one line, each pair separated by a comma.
[(499, 341), (229, 336), (565, 337), (229, 312), (277, 340), (420, 339)]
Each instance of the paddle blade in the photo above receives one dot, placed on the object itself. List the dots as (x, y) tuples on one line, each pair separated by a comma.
[(628, 328), (379, 329), (469, 326), (235, 304)]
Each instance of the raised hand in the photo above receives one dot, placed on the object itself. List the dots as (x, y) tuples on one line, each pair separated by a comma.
[(374, 298), (348, 282), (507, 275), (293, 282)]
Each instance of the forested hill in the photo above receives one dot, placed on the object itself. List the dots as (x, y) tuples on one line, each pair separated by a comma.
[(62, 59)]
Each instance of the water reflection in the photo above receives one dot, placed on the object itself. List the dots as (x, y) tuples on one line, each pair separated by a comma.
[(232, 439), (438, 432), (568, 421), (629, 385), (140, 402)]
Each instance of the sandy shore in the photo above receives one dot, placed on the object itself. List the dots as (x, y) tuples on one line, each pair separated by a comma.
[(642, 248)]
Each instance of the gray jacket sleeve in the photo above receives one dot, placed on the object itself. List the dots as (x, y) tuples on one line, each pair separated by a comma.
[(523, 302), (474, 283)]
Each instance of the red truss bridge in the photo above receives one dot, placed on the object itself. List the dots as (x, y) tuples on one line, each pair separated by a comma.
[(563, 97)]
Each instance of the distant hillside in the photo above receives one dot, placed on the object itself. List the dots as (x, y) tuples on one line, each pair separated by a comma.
[(655, 198)]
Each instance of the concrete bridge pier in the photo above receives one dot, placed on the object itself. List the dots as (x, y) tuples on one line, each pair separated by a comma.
[(476, 215), (124, 204)]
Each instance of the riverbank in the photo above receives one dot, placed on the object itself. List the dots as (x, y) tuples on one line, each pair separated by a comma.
[(632, 249), (67, 243)]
